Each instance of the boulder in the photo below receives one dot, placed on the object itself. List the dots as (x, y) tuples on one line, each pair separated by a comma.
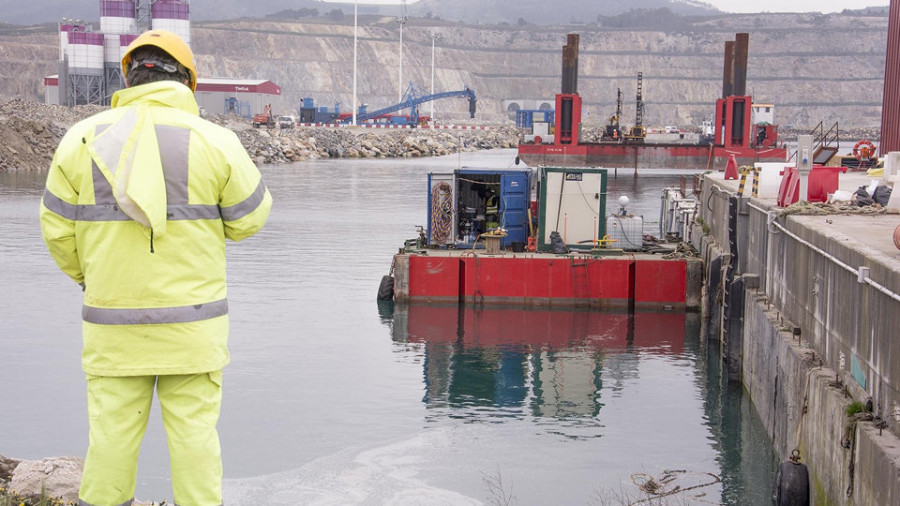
[(56, 477), (7, 466)]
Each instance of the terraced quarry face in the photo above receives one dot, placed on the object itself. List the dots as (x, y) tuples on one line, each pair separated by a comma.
[(812, 67)]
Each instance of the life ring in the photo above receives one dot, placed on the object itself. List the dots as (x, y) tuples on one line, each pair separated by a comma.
[(863, 149)]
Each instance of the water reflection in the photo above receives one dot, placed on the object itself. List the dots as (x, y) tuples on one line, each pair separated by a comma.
[(574, 374), (21, 182), (330, 395), (386, 312), (540, 363)]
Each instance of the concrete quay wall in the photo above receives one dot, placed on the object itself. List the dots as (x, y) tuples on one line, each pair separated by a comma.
[(807, 335)]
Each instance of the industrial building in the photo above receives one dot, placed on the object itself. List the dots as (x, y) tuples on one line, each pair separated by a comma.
[(245, 97), (215, 95), (90, 62)]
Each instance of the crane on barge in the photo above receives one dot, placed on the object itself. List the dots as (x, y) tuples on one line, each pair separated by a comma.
[(613, 130), (637, 133)]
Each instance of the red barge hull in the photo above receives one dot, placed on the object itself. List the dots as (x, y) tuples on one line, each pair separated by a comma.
[(645, 156), (629, 281)]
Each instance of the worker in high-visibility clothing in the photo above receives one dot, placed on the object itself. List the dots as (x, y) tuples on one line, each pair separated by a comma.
[(491, 209), (139, 201)]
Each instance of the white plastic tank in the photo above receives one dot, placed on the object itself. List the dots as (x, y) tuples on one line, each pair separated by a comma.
[(626, 230)]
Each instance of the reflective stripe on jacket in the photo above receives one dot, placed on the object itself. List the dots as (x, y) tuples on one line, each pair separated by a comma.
[(138, 203), (491, 206)]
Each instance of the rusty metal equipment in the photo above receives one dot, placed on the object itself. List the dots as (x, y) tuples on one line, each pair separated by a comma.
[(637, 133), (570, 65)]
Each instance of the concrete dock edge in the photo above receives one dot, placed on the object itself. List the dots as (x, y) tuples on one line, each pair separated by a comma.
[(815, 336)]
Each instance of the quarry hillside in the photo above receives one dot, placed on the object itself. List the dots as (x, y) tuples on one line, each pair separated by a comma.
[(813, 67)]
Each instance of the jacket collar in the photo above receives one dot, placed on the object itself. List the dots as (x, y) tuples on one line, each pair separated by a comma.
[(158, 94)]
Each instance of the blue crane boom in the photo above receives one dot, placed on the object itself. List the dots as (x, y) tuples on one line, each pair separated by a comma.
[(413, 98)]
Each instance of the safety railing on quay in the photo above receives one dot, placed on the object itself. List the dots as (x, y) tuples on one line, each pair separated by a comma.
[(862, 272)]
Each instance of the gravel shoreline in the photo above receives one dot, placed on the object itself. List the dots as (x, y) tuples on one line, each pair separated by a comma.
[(30, 132)]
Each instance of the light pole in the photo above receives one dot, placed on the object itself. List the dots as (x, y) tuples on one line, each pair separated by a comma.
[(433, 37), (402, 21), (356, 38), (353, 106)]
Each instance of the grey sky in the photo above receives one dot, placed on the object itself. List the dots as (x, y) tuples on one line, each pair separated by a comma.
[(732, 5), (793, 5)]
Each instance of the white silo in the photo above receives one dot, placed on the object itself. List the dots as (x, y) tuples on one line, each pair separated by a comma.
[(114, 48), (174, 16), (66, 26), (85, 52), (125, 40), (117, 16), (84, 68), (118, 23)]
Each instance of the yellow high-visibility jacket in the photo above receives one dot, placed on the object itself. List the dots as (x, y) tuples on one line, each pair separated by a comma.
[(138, 203), (491, 206)]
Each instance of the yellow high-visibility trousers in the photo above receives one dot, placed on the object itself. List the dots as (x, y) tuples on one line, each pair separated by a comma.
[(118, 409)]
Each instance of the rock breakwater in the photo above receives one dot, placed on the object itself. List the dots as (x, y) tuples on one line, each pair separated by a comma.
[(30, 132), (299, 144)]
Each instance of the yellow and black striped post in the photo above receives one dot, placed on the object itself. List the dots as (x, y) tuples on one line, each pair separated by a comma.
[(744, 170), (755, 191)]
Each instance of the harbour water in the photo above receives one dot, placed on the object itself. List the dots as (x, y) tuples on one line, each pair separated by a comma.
[(332, 398)]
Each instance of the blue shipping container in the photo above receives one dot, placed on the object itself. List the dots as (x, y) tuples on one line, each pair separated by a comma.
[(457, 203)]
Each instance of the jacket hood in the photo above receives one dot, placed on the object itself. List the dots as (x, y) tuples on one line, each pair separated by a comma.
[(158, 94), (128, 152)]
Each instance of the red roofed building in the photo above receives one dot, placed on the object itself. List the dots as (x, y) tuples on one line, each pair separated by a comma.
[(215, 95), (245, 97)]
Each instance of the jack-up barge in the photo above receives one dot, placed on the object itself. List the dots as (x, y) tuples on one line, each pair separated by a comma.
[(733, 133)]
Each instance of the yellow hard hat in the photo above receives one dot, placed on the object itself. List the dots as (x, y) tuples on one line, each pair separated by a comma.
[(168, 42)]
